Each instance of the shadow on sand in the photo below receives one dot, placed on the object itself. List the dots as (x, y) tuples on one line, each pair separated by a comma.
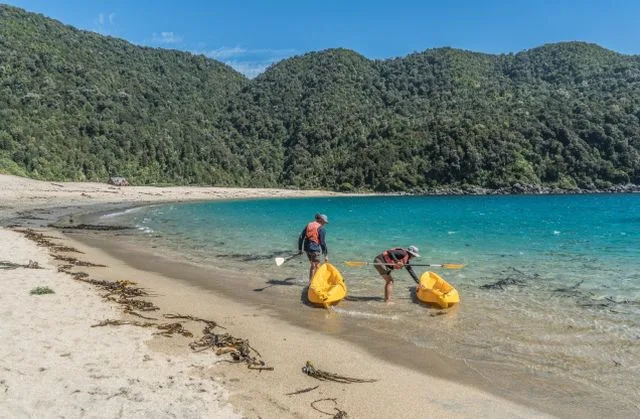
[(286, 282), (363, 298)]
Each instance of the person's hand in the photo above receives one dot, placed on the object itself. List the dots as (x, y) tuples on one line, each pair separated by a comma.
[(399, 265), (326, 259)]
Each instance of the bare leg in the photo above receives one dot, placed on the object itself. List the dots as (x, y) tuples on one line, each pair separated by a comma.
[(312, 270), (388, 288)]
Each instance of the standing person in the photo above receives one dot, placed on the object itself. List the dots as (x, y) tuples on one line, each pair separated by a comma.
[(396, 258), (312, 241)]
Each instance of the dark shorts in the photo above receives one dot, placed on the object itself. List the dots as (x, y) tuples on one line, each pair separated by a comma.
[(382, 269), (314, 256)]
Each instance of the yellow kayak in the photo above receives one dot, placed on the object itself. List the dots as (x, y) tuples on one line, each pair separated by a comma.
[(327, 286), (435, 290)]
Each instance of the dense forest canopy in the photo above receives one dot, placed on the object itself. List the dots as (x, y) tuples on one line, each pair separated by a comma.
[(76, 105)]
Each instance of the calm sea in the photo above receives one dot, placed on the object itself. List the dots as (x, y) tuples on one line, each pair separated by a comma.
[(551, 283)]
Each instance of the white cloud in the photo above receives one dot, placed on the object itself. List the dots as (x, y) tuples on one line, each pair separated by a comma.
[(248, 61), (225, 52), (166, 38), (237, 51), (249, 69), (104, 23)]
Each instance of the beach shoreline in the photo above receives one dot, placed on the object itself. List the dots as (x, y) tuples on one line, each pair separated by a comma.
[(286, 348), (536, 389), (260, 393)]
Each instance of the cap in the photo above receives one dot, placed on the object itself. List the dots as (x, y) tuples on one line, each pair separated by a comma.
[(414, 251), (322, 217)]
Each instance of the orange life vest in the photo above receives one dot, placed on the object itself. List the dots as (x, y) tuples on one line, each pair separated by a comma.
[(400, 263), (312, 232)]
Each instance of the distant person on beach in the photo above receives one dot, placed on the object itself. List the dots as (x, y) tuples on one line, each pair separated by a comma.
[(312, 241), (396, 258)]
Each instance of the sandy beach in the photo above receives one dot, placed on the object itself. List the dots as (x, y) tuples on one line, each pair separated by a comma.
[(56, 363)]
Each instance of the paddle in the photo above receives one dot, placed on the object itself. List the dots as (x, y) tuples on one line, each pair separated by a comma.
[(358, 264), (281, 260)]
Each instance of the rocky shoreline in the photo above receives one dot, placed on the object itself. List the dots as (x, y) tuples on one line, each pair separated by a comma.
[(524, 189)]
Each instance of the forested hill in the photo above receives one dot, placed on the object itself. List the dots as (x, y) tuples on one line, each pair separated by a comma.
[(78, 105)]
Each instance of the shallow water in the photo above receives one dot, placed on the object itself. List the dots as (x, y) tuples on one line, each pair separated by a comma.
[(551, 283)]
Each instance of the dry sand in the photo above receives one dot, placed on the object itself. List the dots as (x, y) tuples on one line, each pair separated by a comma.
[(32, 198), (54, 364)]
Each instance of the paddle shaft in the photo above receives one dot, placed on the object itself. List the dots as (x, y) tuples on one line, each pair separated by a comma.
[(291, 257), (409, 264), (280, 260)]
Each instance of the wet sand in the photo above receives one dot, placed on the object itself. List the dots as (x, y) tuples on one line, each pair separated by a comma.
[(536, 390), (286, 345)]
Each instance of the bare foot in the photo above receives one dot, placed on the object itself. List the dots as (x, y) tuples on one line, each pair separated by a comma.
[(389, 303)]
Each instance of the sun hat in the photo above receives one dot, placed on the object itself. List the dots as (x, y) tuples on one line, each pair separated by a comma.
[(414, 251)]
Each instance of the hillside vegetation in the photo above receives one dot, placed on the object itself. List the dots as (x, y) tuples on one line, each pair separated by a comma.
[(79, 106)]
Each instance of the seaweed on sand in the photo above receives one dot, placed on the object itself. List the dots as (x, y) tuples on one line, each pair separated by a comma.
[(10, 265), (311, 371), (195, 319), (75, 261), (122, 292), (166, 329), (93, 227), (110, 322), (339, 413), (41, 291), (513, 277), (238, 348), (39, 238)]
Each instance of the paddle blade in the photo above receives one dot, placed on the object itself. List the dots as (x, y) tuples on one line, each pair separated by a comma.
[(355, 263), (452, 265), (279, 261)]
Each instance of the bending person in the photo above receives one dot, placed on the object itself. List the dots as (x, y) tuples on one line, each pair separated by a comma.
[(392, 259)]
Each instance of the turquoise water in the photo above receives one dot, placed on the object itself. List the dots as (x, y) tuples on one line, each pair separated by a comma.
[(551, 283), (590, 238)]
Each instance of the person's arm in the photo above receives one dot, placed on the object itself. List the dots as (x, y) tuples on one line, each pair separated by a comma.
[(398, 263), (412, 273), (301, 239), (323, 243)]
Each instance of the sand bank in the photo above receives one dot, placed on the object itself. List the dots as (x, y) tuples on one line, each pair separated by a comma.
[(40, 201)]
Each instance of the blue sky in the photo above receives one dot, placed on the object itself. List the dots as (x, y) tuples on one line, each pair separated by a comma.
[(250, 35)]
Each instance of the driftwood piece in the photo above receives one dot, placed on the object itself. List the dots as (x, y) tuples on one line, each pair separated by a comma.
[(304, 390)]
